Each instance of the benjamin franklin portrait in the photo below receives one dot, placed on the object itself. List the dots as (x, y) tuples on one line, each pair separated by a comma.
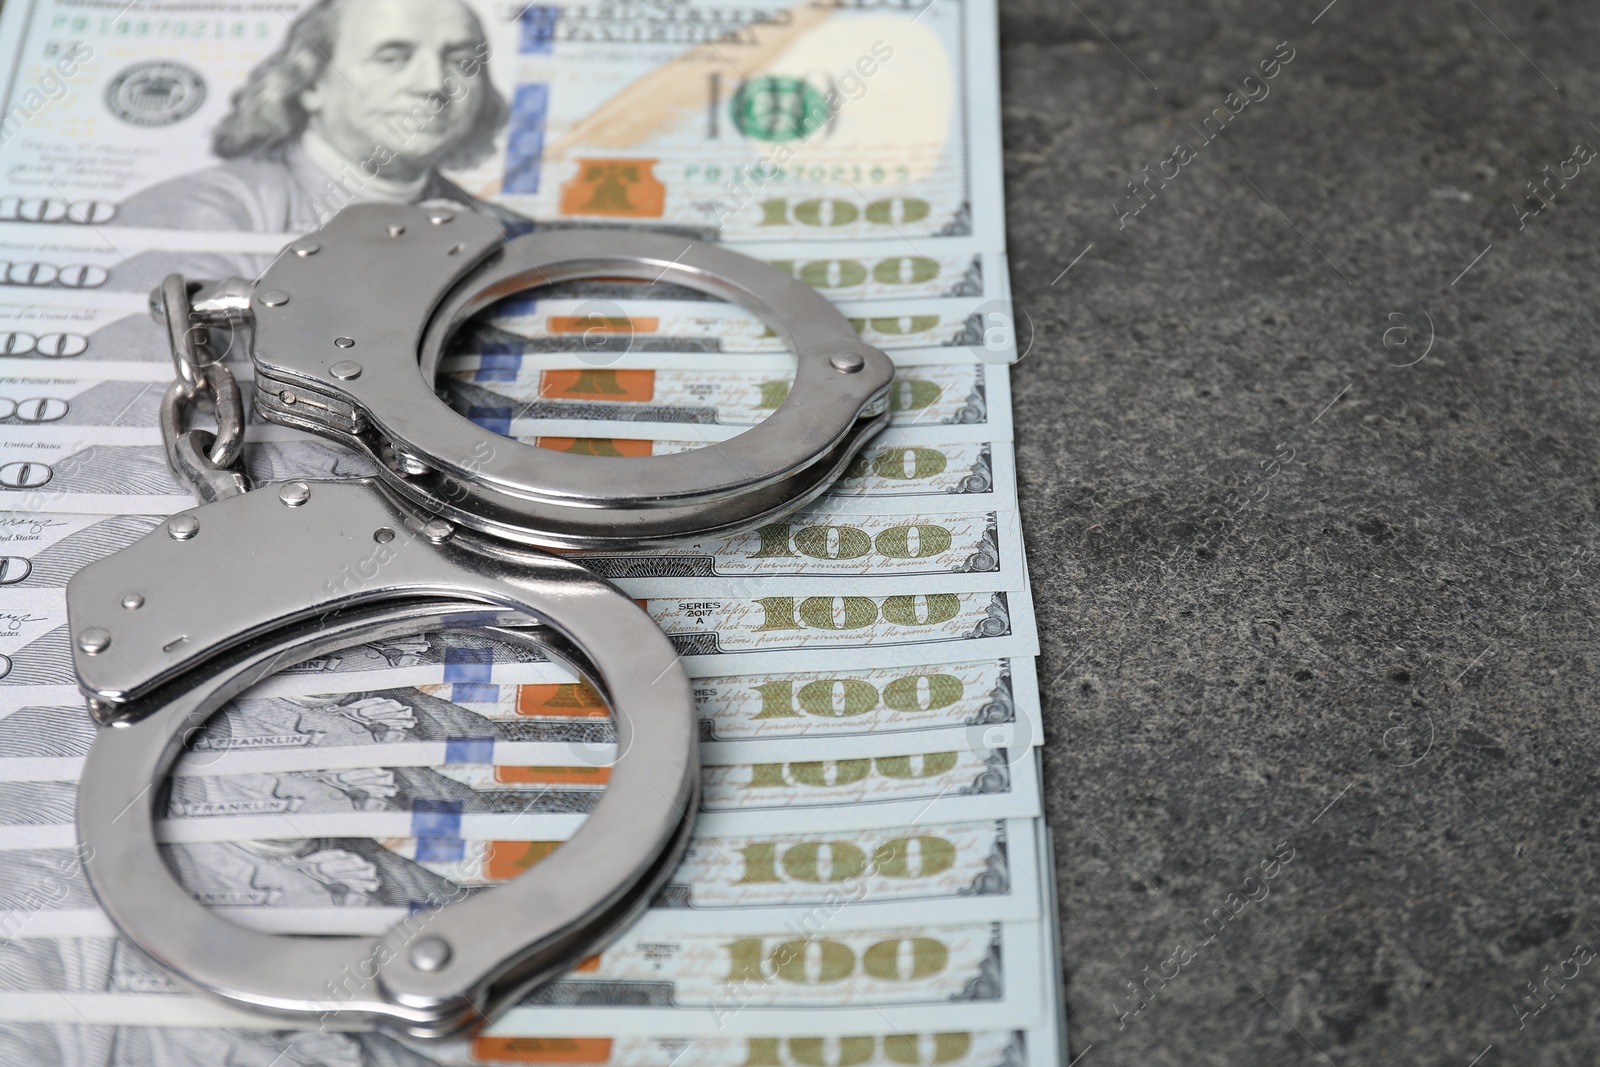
[(366, 100)]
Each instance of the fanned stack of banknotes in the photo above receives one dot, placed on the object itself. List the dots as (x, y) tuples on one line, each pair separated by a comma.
[(870, 882)]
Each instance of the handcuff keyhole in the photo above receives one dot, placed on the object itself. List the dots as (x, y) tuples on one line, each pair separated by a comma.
[(383, 535)]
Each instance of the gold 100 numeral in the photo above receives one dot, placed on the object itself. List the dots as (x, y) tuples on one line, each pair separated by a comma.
[(856, 612), (859, 1050), (838, 698), (832, 211), (912, 541), (821, 862), (823, 961), (829, 773)]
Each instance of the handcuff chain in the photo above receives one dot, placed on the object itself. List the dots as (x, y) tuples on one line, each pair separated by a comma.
[(201, 460)]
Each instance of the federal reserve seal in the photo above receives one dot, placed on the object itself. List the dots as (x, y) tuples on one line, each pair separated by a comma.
[(155, 93)]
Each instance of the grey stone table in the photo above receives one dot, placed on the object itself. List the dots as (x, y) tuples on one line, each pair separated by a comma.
[(1308, 456)]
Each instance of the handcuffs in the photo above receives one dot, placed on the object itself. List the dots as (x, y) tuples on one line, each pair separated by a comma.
[(347, 328)]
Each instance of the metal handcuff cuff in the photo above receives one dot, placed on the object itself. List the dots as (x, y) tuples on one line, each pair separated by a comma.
[(347, 329)]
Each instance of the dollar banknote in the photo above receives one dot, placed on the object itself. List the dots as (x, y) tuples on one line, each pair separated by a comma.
[(433, 724), (898, 463), (84, 475), (715, 636), (122, 273), (74, 336), (83, 1045), (36, 665), (115, 412), (951, 975), (127, 412), (549, 802), (605, 326), (106, 336), (948, 549), (617, 398), (875, 703), (769, 629), (488, 800), (958, 873), (809, 550), (769, 120), (112, 268), (726, 634), (597, 320), (412, 728), (945, 1048)]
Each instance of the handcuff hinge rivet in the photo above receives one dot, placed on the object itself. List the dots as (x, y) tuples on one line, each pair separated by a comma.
[(133, 601), (182, 527), (346, 370), (294, 493), (345, 342), (439, 218), (847, 362), (274, 298), (396, 230), (430, 954), (94, 641), (437, 530), (307, 248)]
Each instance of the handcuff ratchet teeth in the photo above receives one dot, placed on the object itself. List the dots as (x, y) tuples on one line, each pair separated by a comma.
[(348, 327)]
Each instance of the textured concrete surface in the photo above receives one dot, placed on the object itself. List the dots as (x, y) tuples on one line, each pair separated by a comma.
[(1298, 598)]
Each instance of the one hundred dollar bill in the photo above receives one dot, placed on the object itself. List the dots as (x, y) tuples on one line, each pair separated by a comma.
[(82, 264), (127, 412), (36, 665), (600, 321), (111, 336), (114, 267), (945, 1048), (956, 873), (83, 474), (897, 464), (768, 630), (616, 400), (875, 703), (78, 1044), (273, 727), (715, 636), (977, 328), (115, 412), (904, 552), (770, 120), (549, 802), (951, 549), (732, 634), (412, 728), (927, 975), (72, 336)]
